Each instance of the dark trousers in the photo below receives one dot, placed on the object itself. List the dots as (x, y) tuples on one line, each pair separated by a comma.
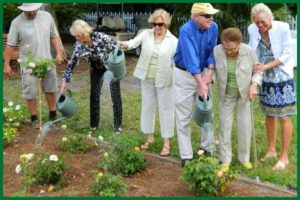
[(96, 85)]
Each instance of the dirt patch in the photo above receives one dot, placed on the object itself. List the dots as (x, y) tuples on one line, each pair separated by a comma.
[(161, 178)]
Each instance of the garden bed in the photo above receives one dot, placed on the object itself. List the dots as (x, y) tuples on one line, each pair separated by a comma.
[(161, 177)]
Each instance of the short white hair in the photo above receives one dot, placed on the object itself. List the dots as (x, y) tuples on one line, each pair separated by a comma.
[(261, 9), (80, 27)]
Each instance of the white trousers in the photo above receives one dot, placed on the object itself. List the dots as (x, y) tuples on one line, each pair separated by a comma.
[(151, 97), (185, 90), (244, 128)]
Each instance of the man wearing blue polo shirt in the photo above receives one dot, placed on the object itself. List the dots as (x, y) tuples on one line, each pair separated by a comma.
[(193, 57)]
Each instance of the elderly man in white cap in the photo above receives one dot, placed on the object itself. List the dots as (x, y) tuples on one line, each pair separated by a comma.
[(34, 29), (192, 75)]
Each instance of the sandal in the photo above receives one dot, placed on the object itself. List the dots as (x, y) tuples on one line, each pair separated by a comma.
[(165, 151), (280, 165), (268, 156), (145, 146)]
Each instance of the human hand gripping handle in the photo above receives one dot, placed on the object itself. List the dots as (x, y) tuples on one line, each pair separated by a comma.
[(123, 45), (63, 86), (252, 92)]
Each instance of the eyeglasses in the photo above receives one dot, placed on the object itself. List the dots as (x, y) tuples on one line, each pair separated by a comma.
[(158, 24), (206, 15), (231, 49)]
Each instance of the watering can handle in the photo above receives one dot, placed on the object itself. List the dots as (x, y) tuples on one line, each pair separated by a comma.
[(116, 49)]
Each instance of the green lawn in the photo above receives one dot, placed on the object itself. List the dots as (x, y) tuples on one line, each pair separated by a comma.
[(131, 126)]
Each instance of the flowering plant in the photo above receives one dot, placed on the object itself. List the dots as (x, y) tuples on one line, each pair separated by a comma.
[(41, 168), (75, 144), (204, 175), (123, 158), (38, 67), (107, 185), (13, 118)]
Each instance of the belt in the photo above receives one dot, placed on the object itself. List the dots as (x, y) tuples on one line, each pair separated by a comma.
[(179, 67)]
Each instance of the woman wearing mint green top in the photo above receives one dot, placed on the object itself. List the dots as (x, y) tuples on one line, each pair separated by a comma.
[(236, 89), (154, 69)]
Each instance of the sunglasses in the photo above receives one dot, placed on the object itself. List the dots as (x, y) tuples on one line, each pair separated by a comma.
[(158, 24), (206, 15)]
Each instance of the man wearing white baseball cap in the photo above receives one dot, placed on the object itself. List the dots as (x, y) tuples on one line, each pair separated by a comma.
[(192, 75), (33, 29)]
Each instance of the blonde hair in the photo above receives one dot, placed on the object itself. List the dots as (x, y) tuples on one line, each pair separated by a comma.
[(261, 9), (160, 13), (80, 27)]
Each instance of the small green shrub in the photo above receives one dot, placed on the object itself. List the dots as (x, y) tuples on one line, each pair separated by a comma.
[(123, 158), (107, 185), (13, 119), (41, 168), (75, 144), (204, 177)]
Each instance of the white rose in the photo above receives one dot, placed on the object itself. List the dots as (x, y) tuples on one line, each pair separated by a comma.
[(217, 142), (100, 138), (18, 169), (53, 157), (26, 156), (64, 126), (10, 103), (200, 152), (64, 139), (5, 110), (19, 60), (31, 65), (18, 107)]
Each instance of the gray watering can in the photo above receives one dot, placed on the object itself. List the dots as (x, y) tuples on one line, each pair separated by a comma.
[(203, 113), (65, 104), (116, 63)]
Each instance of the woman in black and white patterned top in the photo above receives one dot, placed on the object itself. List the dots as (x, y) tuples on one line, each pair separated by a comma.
[(95, 47)]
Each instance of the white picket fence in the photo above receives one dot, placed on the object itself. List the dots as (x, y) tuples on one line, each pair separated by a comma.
[(135, 20)]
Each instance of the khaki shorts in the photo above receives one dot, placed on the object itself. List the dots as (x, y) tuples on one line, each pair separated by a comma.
[(30, 84)]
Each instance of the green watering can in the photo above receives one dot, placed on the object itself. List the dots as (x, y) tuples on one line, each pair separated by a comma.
[(203, 113), (65, 104), (116, 63)]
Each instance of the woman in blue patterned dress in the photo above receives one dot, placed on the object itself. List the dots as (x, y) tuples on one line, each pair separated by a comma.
[(94, 46), (272, 42)]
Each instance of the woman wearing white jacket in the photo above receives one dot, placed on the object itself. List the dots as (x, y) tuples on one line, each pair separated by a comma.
[(154, 68), (273, 45)]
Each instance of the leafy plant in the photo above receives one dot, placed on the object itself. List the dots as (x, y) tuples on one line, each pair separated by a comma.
[(13, 118), (75, 144), (38, 67), (107, 185), (41, 168), (123, 158), (204, 177)]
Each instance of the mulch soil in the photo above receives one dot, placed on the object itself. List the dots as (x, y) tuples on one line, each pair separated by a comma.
[(161, 178)]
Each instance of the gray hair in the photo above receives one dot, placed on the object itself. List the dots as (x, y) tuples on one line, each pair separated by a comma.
[(261, 9), (80, 27)]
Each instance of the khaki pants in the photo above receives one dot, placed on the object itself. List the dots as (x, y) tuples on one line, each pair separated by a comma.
[(231, 100), (186, 89)]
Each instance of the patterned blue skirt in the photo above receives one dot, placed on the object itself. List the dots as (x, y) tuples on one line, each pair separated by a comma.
[(278, 93)]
